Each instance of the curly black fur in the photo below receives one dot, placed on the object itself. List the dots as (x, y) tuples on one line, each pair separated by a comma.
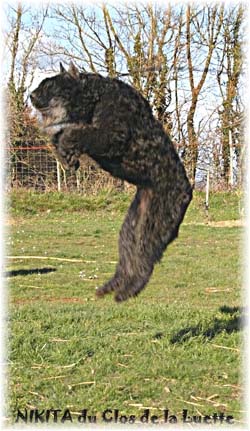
[(111, 122)]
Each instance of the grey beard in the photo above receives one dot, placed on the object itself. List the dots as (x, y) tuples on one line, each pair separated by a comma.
[(53, 129)]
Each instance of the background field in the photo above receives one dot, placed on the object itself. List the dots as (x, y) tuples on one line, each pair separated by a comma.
[(176, 346)]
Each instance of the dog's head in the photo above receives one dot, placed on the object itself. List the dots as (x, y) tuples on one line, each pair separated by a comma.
[(55, 98)]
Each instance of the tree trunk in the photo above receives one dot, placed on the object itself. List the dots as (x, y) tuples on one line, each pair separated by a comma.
[(192, 148)]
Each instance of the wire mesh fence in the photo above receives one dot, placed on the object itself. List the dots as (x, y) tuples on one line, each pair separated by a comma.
[(37, 168), (31, 167)]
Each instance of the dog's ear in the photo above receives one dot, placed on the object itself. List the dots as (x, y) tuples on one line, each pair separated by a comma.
[(73, 71), (62, 69)]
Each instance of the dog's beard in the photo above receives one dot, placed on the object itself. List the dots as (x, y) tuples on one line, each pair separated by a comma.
[(54, 120), (54, 128)]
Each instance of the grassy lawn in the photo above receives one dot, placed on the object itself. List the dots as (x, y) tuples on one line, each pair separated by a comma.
[(176, 346)]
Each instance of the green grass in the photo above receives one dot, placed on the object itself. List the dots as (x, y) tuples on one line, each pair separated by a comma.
[(176, 346)]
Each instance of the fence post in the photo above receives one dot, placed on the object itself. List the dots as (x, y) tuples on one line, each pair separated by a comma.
[(78, 180), (231, 169), (64, 177), (207, 190), (58, 176)]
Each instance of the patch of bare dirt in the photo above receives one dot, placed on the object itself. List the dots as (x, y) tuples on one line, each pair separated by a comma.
[(50, 299), (12, 221), (227, 223), (222, 223)]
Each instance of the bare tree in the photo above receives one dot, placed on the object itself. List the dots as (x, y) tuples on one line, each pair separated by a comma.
[(229, 69), (21, 44), (212, 18)]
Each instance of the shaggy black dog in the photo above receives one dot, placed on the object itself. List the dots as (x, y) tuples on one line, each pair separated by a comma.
[(111, 122)]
